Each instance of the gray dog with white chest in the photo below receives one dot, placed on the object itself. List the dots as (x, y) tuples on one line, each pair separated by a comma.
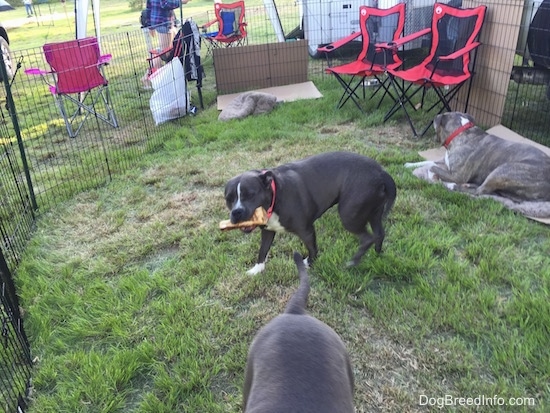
[(296, 194), (298, 364), (486, 164)]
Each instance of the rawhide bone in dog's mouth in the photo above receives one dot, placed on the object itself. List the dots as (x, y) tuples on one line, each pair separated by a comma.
[(258, 218)]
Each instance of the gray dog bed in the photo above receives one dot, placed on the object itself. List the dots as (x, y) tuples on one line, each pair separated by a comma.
[(248, 103), (539, 211)]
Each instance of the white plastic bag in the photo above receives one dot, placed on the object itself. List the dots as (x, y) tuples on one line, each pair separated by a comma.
[(170, 99)]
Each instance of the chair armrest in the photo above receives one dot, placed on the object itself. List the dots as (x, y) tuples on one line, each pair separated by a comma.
[(210, 23), (34, 71), (162, 54), (104, 59), (338, 43), (403, 40), (460, 52), (455, 55), (153, 54)]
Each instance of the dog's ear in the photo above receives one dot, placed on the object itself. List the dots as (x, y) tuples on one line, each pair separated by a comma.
[(469, 117), (267, 177), (230, 185), (462, 117), (437, 121)]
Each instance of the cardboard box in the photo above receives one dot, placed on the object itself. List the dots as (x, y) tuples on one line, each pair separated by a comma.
[(495, 59), (243, 68)]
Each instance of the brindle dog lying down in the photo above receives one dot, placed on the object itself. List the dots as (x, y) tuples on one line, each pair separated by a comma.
[(484, 164)]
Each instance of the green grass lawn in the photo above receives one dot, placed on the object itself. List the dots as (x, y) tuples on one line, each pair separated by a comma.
[(136, 302), (55, 21)]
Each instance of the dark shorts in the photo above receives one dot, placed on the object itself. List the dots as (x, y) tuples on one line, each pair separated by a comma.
[(163, 28)]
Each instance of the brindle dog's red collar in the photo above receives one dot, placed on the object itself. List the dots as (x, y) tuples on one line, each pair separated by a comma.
[(457, 132)]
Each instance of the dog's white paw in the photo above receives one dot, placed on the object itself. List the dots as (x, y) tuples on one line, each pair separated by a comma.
[(306, 262), (258, 268), (450, 185)]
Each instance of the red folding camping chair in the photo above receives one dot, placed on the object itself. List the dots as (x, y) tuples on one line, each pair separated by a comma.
[(230, 19), (449, 65), (377, 25), (77, 82)]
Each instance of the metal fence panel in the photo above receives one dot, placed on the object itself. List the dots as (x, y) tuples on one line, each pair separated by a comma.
[(15, 358), (40, 165)]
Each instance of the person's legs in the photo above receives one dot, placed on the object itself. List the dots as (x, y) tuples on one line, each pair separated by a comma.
[(28, 9), (149, 35), (165, 38)]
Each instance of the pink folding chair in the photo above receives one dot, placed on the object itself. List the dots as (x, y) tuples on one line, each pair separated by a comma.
[(77, 82)]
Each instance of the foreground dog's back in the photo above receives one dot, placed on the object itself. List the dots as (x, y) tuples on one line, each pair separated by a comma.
[(298, 364)]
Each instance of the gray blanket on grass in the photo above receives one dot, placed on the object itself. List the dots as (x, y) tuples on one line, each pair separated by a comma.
[(530, 209), (248, 103)]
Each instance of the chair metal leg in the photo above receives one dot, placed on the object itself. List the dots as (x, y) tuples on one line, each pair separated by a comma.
[(444, 100), (383, 85), (400, 102), (349, 91), (85, 109), (112, 120), (61, 106)]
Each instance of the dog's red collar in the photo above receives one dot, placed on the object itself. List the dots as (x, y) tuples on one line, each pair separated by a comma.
[(457, 132), (274, 192)]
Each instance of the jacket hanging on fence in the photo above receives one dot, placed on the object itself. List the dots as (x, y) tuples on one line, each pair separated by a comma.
[(192, 59)]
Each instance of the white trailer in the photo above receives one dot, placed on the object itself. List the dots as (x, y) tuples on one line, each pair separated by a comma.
[(325, 21)]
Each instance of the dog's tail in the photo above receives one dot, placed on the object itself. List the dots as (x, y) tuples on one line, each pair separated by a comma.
[(390, 191), (297, 303)]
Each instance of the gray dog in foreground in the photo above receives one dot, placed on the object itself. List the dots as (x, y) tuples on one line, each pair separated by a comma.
[(298, 364), (486, 164), (296, 194)]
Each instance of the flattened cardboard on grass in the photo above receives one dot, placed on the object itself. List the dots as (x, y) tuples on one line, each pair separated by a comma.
[(287, 93)]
